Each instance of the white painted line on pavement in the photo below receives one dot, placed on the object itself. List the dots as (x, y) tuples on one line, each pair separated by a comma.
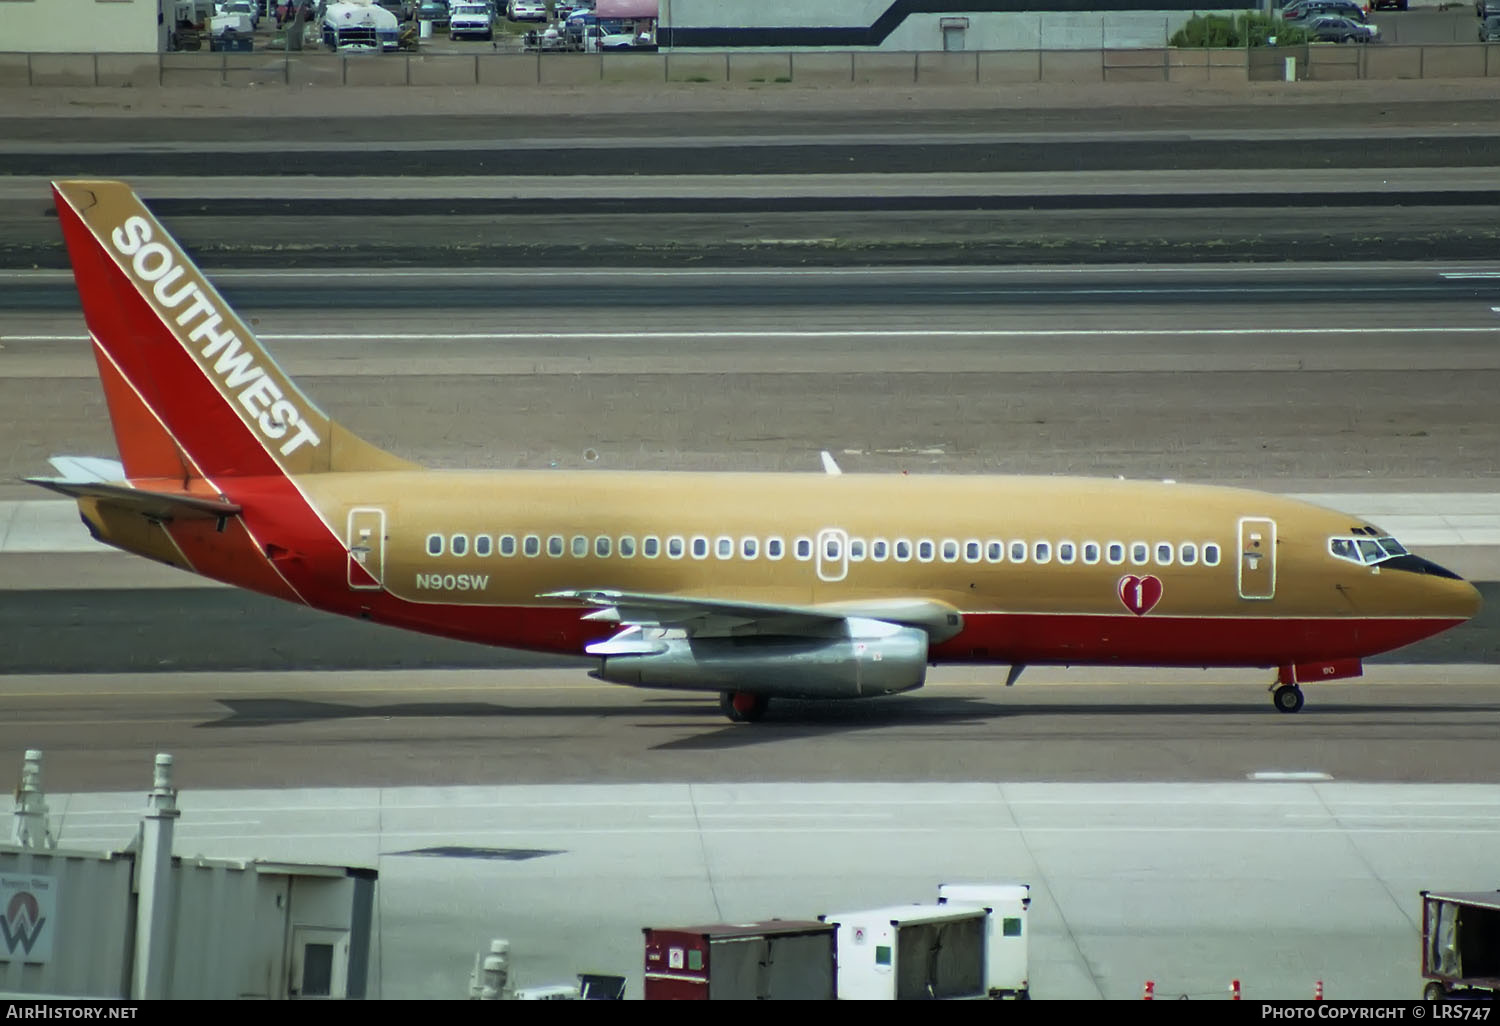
[(1278, 775), (493, 336)]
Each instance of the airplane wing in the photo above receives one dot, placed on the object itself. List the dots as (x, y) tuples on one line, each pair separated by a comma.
[(156, 505), (700, 616)]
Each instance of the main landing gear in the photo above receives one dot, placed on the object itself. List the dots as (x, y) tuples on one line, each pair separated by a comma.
[(1287, 698), (743, 706)]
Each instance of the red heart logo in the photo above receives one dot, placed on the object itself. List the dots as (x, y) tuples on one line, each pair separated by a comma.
[(1140, 594)]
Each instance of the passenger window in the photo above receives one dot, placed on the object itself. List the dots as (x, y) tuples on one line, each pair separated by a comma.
[(580, 546), (803, 549), (532, 546), (602, 546), (507, 545), (482, 543), (1187, 554), (554, 545), (458, 544), (1210, 554), (627, 546), (1066, 552), (1140, 552), (1091, 553), (749, 547), (995, 552), (833, 547), (903, 550), (700, 547), (1116, 553), (434, 545), (676, 547), (950, 550), (925, 550), (651, 546), (775, 548), (1042, 552), (856, 550), (973, 551), (1163, 553), (1018, 552), (724, 547), (880, 550)]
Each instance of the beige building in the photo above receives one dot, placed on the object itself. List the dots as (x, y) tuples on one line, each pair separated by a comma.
[(84, 26)]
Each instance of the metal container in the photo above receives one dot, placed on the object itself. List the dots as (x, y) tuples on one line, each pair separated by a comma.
[(783, 960)]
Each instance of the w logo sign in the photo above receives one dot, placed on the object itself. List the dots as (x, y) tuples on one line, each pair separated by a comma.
[(22, 925)]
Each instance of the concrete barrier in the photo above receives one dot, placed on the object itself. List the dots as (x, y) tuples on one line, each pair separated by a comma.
[(1072, 66), (1225, 65), (950, 69), (1393, 62), (1010, 67), (128, 70), (510, 69), (192, 70), (985, 68), (697, 67), (760, 67), (255, 69), (442, 70), (317, 69), (62, 69), (887, 69), (1456, 60), (822, 68), (15, 69), (1147, 65), (1333, 63), (634, 68), (570, 69)]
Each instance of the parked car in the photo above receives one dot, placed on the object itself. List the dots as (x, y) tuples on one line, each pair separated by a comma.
[(470, 18), (1331, 29), (1307, 10), (247, 8), (1489, 29), (435, 11), (526, 10), (1399, 5)]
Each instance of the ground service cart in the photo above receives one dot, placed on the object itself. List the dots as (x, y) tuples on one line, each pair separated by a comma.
[(1461, 944), (911, 952), (775, 960), (1007, 934)]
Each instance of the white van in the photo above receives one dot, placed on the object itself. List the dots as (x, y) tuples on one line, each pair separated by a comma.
[(470, 19)]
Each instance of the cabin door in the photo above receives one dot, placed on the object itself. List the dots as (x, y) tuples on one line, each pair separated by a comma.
[(366, 539), (1257, 557)]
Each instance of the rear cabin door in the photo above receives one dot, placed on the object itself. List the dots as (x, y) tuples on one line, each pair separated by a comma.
[(1257, 572), (366, 540)]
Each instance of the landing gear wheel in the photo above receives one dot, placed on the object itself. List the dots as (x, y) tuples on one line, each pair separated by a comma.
[(1287, 698), (743, 706), (1434, 991)]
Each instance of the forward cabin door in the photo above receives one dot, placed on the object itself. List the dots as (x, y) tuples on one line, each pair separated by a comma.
[(366, 540), (1257, 558)]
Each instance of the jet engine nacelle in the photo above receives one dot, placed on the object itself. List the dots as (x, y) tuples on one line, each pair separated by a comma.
[(873, 659)]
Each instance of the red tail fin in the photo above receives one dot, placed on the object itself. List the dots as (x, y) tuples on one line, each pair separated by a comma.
[(187, 382)]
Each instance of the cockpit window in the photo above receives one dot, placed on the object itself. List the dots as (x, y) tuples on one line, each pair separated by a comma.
[(1365, 550)]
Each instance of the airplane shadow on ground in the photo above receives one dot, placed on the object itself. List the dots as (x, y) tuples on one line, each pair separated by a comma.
[(789, 720)]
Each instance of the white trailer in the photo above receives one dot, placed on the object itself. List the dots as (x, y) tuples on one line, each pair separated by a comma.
[(1007, 936), (910, 951)]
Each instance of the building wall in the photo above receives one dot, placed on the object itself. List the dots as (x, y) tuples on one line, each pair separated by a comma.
[(82, 26), (908, 25)]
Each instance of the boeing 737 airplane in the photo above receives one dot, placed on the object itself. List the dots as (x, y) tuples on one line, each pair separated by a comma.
[(755, 586)]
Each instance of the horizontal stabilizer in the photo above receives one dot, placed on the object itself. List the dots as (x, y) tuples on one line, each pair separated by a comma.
[(88, 468), (156, 505)]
